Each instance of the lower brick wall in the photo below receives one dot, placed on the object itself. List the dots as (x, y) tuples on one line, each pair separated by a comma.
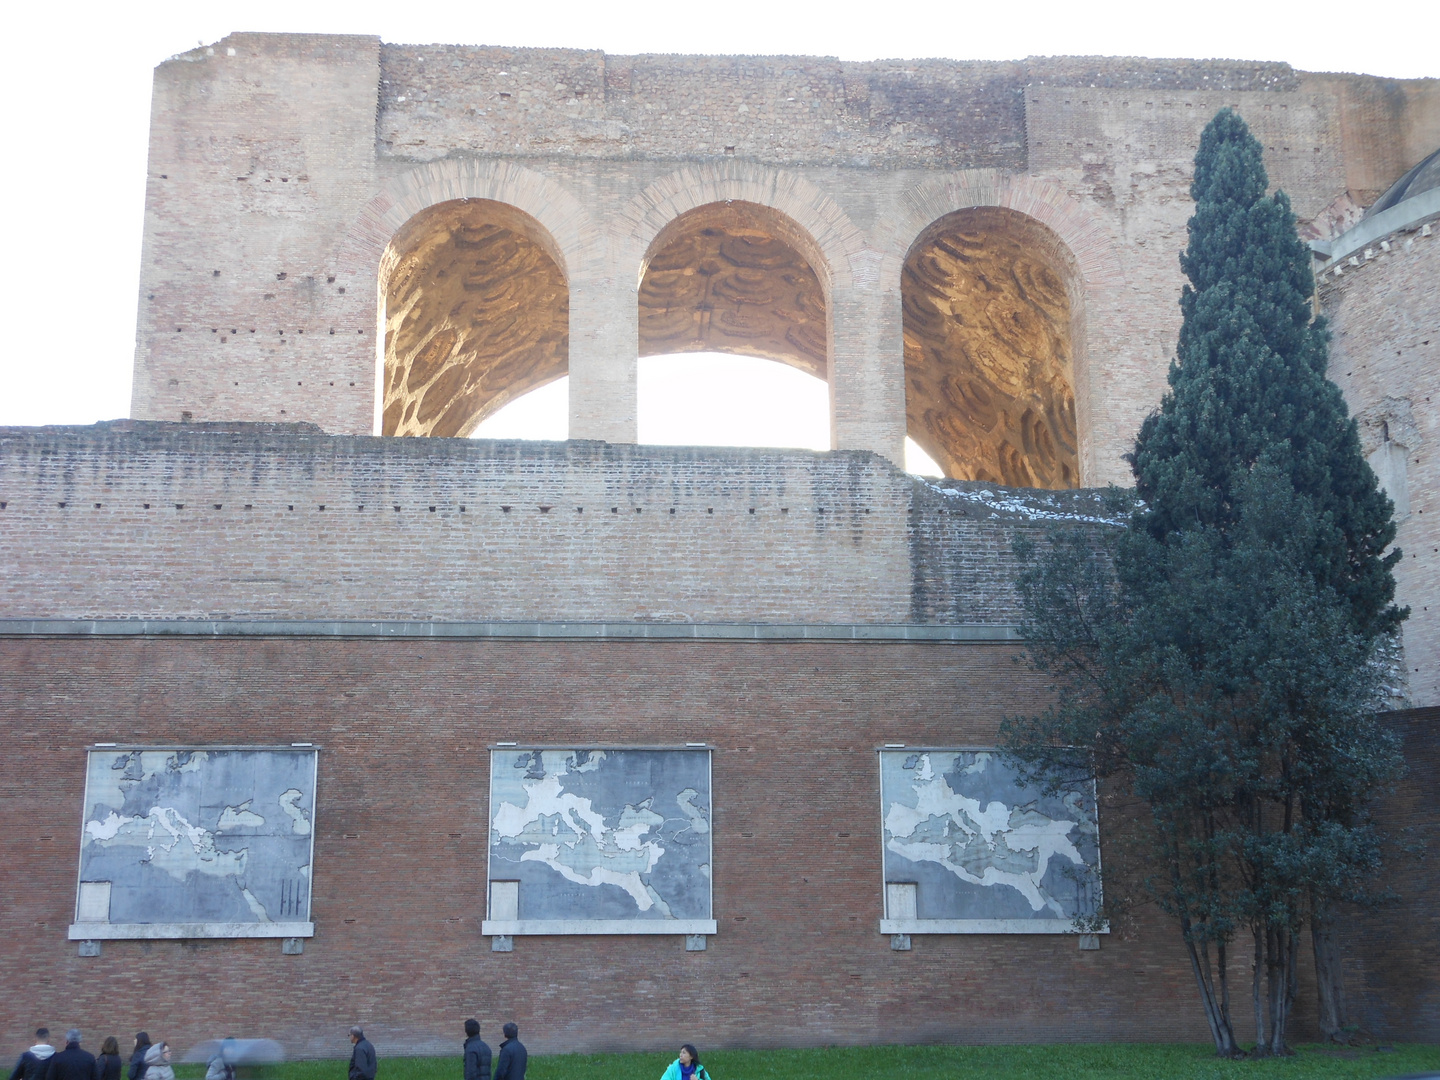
[(401, 842)]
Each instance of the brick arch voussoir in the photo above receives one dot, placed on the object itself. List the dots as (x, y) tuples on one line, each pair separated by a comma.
[(577, 241), (839, 245)]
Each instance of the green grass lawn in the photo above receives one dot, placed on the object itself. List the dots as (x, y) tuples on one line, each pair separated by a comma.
[(1075, 1061)]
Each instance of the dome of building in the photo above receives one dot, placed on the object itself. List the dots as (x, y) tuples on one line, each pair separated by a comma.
[(1423, 177)]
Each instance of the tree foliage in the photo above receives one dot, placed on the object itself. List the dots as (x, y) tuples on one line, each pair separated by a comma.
[(1218, 656)]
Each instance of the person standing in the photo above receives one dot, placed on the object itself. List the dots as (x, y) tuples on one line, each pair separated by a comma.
[(157, 1063), (362, 1059), (477, 1052), (687, 1066), (33, 1061), (107, 1065), (137, 1056), (510, 1065), (72, 1063)]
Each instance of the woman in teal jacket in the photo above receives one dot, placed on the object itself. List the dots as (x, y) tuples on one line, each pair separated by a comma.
[(687, 1066)]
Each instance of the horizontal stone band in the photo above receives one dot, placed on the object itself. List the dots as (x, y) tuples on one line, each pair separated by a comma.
[(98, 931), (984, 926), (542, 927)]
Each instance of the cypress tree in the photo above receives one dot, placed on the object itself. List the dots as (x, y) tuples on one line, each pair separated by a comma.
[(1249, 382), (1218, 656)]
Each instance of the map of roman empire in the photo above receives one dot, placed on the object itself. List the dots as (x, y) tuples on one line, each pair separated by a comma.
[(602, 834), (197, 836), (979, 847)]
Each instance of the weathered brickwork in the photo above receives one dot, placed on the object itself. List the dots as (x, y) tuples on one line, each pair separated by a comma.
[(401, 842), (1385, 354), (137, 520), (604, 152)]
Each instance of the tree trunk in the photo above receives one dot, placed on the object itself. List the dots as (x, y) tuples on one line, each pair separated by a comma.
[(1329, 978), (1217, 1008), (1280, 979)]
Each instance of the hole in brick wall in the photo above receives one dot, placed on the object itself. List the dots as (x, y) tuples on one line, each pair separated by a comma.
[(341, 289), (3, 505), (672, 510), (179, 506), (614, 509), (637, 509), (709, 510), (218, 506), (322, 506), (281, 276), (147, 506), (397, 509), (752, 509), (61, 505), (97, 506), (579, 509), (432, 509), (360, 507), (248, 506), (291, 506), (545, 509), (504, 509), (462, 508), (329, 281), (214, 273)]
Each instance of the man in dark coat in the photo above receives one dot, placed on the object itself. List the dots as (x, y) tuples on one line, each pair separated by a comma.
[(510, 1065), (72, 1063), (32, 1063), (137, 1058), (362, 1058), (477, 1052)]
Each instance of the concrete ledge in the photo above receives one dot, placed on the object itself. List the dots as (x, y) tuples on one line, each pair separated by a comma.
[(982, 926), (170, 931), (1410, 212), (600, 631), (540, 927)]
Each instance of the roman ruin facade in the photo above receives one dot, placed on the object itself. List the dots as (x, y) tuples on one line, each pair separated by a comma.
[(354, 252)]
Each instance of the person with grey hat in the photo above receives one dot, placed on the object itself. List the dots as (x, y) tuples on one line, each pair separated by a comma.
[(72, 1063), (362, 1059)]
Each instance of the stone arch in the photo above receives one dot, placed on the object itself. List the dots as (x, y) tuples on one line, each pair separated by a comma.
[(476, 312), (735, 277), (566, 233), (989, 297), (836, 241), (999, 277)]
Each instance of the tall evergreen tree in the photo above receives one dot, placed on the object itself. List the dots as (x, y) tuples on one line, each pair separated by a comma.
[(1249, 381), (1218, 657)]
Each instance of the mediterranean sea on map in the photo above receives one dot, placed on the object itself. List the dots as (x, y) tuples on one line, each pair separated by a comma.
[(980, 847), (200, 836), (602, 834)]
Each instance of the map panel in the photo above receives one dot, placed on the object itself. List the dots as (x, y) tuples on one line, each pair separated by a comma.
[(981, 849), (620, 835), (214, 836)]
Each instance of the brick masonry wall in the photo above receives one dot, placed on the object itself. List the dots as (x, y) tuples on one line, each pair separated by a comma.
[(859, 145), (401, 843), (272, 521), (1385, 351), (1393, 953)]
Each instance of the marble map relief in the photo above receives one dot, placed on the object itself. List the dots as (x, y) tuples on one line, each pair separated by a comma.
[(964, 844), (185, 837), (608, 835)]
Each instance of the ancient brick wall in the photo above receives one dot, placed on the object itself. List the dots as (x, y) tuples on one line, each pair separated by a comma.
[(1384, 314), (264, 521), (605, 151)]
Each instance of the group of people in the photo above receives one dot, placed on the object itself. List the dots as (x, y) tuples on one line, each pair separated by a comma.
[(151, 1061), (148, 1061)]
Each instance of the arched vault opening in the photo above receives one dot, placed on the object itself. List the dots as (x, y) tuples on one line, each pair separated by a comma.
[(477, 313), (992, 326), (735, 277)]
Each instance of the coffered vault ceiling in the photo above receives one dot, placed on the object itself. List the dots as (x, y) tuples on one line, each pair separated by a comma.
[(989, 351), (477, 313), (724, 281)]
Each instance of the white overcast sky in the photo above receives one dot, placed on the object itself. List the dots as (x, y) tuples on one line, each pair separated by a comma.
[(77, 94)]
